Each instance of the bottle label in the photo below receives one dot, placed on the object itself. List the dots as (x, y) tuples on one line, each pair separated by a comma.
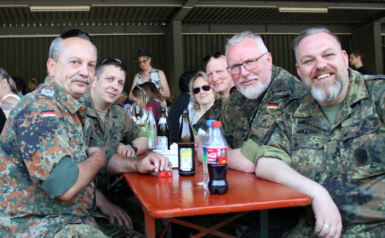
[(151, 139), (217, 155), (162, 143), (186, 159), (204, 155), (162, 120)]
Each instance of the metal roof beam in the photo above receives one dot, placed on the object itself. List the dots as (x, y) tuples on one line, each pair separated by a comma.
[(188, 6), (112, 3), (272, 4)]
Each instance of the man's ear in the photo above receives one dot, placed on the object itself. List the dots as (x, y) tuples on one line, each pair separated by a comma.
[(51, 64), (298, 71)]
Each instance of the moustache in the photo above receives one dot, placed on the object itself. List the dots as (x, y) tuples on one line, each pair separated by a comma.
[(81, 79), (249, 78)]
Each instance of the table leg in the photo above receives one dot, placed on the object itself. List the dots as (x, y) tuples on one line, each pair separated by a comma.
[(150, 225), (264, 224)]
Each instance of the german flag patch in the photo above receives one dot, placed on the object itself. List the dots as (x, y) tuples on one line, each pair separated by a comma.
[(272, 105), (48, 114)]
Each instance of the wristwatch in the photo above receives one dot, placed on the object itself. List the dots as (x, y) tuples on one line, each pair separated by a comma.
[(134, 147)]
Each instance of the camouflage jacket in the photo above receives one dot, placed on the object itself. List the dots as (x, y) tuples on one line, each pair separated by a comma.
[(118, 126), (47, 125), (214, 113), (348, 158), (245, 122)]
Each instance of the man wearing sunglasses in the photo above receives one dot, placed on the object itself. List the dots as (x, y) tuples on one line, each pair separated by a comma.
[(220, 81), (47, 167)]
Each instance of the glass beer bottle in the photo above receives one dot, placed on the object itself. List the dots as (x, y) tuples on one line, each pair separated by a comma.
[(186, 152), (163, 132)]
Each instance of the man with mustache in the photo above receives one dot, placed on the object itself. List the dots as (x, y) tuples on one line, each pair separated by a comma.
[(330, 144), (220, 81), (47, 167)]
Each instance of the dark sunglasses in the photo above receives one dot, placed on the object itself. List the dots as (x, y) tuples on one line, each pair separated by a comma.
[(117, 62), (198, 89), (74, 33), (216, 55)]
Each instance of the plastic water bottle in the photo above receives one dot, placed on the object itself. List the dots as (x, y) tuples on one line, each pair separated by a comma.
[(137, 110), (143, 121), (217, 160), (151, 130), (204, 155)]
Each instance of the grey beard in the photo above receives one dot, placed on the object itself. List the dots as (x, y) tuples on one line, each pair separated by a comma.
[(330, 93)]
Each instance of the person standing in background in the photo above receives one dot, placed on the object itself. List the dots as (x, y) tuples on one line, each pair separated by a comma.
[(149, 74), (355, 59), (8, 93)]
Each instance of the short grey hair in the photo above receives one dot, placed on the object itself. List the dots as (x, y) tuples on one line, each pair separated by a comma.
[(57, 47), (310, 32), (240, 37)]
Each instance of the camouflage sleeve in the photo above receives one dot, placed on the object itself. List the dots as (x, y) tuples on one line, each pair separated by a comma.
[(276, 145), (131, 130), (42, 137), (225, 120), (107, 151), (55, 185)]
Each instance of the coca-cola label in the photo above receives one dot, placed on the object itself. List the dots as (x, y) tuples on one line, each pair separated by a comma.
[(217, 155)]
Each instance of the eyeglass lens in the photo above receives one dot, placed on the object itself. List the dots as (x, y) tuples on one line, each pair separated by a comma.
[(198, 89)]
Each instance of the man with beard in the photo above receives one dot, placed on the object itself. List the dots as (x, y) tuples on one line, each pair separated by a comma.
[(330, 145), (220, 81), (262, 91), (46, 165)]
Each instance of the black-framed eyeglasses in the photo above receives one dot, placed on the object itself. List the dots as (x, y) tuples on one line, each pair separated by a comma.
[(204, 88), (113, 62), (216, 55), (248, 65), (74, 33)]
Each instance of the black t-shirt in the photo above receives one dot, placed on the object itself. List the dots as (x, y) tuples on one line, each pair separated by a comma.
[(3, 119), (364, 70)]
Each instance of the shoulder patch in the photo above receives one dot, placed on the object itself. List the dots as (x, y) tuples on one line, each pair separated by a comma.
[(47, 92), (272, 105), (282, 94)]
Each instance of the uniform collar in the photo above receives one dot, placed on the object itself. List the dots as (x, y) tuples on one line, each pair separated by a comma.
[(88, 104), (62, 96)]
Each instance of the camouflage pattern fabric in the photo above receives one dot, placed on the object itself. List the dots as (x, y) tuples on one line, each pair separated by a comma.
[(346, 158), (79, 231), (243, 119), (47, 125), (118, 126), (214, 113)]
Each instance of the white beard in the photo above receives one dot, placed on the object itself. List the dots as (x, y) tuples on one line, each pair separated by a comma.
[(325, 93)]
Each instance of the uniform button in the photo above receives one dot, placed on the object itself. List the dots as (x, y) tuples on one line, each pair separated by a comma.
[(331, 172), (371, 127), (316, 144), (329, 140), (296, 144), (315, 117)]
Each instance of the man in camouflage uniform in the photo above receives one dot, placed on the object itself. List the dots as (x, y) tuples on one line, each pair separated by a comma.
[(45, 140), (330, 145), (221, 82)]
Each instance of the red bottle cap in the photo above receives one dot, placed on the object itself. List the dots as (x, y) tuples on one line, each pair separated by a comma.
[(128, 107), (149, 108), (216, 124), (144, 106)]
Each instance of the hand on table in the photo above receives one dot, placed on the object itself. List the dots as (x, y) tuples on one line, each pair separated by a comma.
[(126, 150), (327, 215), (153, 163)]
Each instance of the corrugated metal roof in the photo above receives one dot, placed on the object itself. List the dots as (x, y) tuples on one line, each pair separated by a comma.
[(226, 16)]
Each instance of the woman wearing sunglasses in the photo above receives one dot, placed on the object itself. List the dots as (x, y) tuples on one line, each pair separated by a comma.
[(8, 93), (202, 97), (149, 74)]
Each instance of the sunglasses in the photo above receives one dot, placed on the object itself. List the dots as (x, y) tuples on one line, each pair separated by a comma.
[(116, 62), (216, 55), (74, 33), (204, 88), (143, 61)]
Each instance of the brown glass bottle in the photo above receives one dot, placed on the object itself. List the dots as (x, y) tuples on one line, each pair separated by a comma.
[(164, 140), (186, 153)]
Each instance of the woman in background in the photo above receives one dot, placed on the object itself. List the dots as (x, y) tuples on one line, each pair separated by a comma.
[(202, 97), (144, 97), (149, 74), (8, 93)]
